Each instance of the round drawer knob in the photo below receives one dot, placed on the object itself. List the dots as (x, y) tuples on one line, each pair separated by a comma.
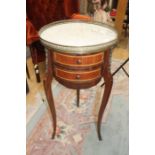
[(78, 61), (77, 76)]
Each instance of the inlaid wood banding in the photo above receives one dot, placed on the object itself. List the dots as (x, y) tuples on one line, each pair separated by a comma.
[(77, 76), (80, 61)]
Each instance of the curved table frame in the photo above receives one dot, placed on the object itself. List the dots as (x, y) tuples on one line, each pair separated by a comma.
[(106, 74)]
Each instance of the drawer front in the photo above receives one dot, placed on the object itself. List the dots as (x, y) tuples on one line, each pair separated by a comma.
[(78, 75), (87, 60)]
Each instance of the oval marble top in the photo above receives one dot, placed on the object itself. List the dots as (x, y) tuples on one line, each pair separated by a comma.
[(78, 37)]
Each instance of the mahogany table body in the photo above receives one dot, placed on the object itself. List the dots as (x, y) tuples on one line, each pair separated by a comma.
[(78, 70)]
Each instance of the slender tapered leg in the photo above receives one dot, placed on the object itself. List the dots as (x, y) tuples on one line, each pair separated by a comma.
[(78, 97), (107, 91), (108, 78), (48, 91), (49, 96)]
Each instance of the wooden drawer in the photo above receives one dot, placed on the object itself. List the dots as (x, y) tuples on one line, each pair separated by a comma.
[(77, 75), (86, 60)]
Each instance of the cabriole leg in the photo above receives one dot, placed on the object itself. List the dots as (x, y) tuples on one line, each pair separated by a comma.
[(47, 86), (108, 78)]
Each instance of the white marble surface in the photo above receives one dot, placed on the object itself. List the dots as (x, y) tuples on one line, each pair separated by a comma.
[(78, 34)]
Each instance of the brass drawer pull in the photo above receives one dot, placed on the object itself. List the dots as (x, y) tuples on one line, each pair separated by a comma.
[(78, 61), (77, 76)]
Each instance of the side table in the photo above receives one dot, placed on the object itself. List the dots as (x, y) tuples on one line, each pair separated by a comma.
[(78, 61)]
